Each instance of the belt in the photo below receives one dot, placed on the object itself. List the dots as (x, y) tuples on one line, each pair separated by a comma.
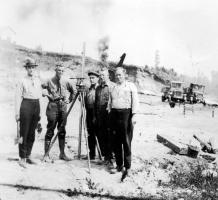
[(58, 102), (31, 100), (120, 109)]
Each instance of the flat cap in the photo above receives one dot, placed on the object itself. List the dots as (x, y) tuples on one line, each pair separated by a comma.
[(93, 73), (29, 62)]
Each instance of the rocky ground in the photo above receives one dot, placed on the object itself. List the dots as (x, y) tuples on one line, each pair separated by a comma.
[(152, 167)]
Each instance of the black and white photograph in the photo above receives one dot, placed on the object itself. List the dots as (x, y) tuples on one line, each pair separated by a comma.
[(108, 99)]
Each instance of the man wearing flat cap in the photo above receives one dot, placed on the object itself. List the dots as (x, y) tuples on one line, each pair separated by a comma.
[(60, 92), (27, 110), (90, 114)]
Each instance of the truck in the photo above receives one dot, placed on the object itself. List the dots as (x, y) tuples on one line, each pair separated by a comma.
[(165, 93), (195, 93), (174, 93), (177, 91)]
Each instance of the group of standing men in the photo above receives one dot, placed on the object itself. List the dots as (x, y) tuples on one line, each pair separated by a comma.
[(110, 108)]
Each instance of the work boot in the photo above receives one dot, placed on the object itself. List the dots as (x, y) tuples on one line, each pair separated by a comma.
[(110, 165), (62, 155), (30, 161), (117, 169), (46, 148), (125, 173), (22, 162)]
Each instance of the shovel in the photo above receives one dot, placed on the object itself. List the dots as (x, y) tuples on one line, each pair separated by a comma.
[(18, 139)]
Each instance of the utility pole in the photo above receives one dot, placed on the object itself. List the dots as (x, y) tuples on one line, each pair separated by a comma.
[(157, 59)]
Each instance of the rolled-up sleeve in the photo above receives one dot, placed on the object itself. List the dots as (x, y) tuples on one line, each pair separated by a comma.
[(18, 97), (135, 99), (71, 87)]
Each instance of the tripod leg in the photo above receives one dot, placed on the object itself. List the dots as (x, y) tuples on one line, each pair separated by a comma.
[(98, 148), (80, 129), (50, 146), (85, 131)]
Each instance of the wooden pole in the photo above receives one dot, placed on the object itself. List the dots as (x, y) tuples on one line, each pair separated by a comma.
[(81, 103), (85, 131), (83, 58), (80, 130), (184, 109), (213, 112)]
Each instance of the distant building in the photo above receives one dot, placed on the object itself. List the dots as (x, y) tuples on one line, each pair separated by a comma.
[(7, 34)]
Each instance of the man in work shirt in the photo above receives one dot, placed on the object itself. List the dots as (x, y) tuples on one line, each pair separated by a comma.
[(27, 111), (90, 114), (102, 116), (123, 105), (60, 92)]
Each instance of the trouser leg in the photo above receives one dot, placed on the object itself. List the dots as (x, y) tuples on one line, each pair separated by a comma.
[(109, 141), (61, 127), (115, 130), (91, 128), (127, 139), (52, 115), (31, 135), (102, 131), (25, 124), (92, 143), (106, 135)]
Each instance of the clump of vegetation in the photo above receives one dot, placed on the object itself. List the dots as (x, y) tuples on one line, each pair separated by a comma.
[(201, 182), (91, 184)]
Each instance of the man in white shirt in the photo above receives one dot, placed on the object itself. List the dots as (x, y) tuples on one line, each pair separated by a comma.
[(27, 111), (123, 105)]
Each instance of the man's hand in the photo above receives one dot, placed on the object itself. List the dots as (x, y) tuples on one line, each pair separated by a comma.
[(45, 93), (39, 128), (17, 117), (133, 119), (81, 88)]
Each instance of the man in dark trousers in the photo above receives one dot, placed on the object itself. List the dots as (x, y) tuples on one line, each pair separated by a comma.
[(90, 114), (123, 105), (27, 108), (60, 92), (102, 116)]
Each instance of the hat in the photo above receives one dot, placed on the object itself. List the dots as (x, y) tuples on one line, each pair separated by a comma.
[(93, 73), (29, 62), (58, 65)]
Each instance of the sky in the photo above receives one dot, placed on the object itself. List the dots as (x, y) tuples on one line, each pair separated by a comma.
[(185, 32)]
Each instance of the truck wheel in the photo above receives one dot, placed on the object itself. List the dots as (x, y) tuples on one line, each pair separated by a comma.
[(163, 98), (172, 104)]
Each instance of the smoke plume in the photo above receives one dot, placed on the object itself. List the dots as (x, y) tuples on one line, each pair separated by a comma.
[(103, 46)]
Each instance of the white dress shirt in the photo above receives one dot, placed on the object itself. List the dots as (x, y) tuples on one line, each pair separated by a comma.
[(124, 96), (27, 88)]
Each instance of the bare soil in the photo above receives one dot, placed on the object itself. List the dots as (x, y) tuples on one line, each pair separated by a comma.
[(152, 161)]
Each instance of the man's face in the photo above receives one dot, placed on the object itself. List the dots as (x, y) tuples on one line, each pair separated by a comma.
[(30, 71), (104, 76), (120, 76), (59, 72), (93, 79)]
